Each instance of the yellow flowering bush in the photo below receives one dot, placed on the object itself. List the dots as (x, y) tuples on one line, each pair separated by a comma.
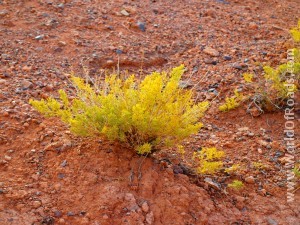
[(145, 115)]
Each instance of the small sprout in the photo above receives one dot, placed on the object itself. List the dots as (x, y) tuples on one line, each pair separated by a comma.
[(232, 102), (208, 159), (296, 171), (260, 166), (248, 77), (144, 149), (295, 32), (236, 184), (234, 168), (181, 150)]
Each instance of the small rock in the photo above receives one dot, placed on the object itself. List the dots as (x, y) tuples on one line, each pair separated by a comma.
[(212, 183), (250, 180), (61, 221), (6, 157), (27, 68), (145, 207), (3, 13), (61, 6), (177, 169), (210, 12), (150, 218), (255, 112), (2, 81), (271, 221), (264, 143), (39, 37), (57, 186), (141, 26), (211, 51), (250, 134), (105, 217), (70, 213), (119, 51), (242, 129), (26, 84), (64, 163), (57, 213), (239, 66), (210, 61), (227, 57), (36, 204), (263, 192), (62, 43), (129, 197), (48, 88), (252, 26), (124, 13), (185, 84)]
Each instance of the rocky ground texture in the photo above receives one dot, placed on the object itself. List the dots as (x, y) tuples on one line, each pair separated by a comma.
[(48, 176)]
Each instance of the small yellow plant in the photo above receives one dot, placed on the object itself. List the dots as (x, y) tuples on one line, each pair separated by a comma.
[(234, 168), (232, 102), (260, 166), (276, 77), (181, 150), (295, 32), (248, 77), (236, 184), (147, 114), (209, 160), (296, 171)]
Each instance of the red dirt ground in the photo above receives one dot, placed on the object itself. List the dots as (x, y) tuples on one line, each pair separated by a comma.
[(48, 176)]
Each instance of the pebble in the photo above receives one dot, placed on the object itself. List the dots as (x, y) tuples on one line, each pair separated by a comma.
[(239, 66), (250, 180), (227, 57), (210, 61), (141, 26), (210, 51), (2, 81), (3, 13), (8, 158), (61, 221), (145, 207), (64, 163), (57, 213), (62, 43), (253, 26), (36, 204), (39, 37), (271, 221), (150, 218), (250, 134), (48, 88), (185, 84), (129, 197), (212, 183), (242, 129), (27, 68), (26, 84), (70, 213), (124, 13)]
